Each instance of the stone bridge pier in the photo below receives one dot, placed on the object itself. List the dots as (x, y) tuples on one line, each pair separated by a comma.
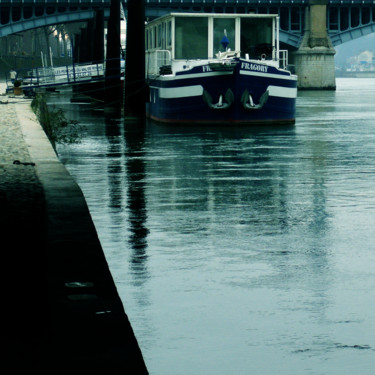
[(314, 60)]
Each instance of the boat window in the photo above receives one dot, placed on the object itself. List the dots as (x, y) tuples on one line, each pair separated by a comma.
[(224, 34), (163, 39), (150, 38), (256, 37), (169, 33), (191, 37), (159, 36)]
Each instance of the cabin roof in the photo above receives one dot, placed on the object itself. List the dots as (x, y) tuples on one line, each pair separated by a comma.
[(215, 15)]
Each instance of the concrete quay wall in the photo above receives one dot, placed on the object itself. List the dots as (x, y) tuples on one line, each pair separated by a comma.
[(63, 314)]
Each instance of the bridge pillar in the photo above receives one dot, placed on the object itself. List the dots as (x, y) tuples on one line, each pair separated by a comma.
[(314, 59)]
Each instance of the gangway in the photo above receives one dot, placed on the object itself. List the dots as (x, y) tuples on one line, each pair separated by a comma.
[(51, 77)]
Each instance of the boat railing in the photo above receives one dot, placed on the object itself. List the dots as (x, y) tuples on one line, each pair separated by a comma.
[(283, 58), (156, 60)]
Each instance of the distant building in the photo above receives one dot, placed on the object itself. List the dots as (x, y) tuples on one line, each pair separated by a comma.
[(364, 61), (365, 57)]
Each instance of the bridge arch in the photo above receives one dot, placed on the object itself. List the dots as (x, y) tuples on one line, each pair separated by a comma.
[(346, 23), (25, 25), (17, 19), (348, 35)]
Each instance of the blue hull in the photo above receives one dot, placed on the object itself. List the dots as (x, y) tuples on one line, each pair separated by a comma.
[(252, 93)]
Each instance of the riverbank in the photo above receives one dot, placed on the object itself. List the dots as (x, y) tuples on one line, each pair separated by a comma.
[(63, 314)]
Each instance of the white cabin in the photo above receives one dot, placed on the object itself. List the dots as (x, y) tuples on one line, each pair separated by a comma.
[(188, 39)]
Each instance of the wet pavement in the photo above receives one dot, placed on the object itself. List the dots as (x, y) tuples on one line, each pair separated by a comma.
[(61, 310)]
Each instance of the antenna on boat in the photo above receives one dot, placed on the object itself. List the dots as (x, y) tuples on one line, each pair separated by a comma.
[(225, 40)]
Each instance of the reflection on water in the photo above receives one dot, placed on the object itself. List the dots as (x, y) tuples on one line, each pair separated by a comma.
[(135, 169), (246, 250)]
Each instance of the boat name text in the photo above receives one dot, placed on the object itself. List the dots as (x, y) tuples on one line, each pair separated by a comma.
[(258, 68)]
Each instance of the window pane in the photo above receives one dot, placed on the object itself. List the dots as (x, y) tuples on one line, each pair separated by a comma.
[(160, 35), (256, 37), (191, 38), (169, 33), (224, 31)]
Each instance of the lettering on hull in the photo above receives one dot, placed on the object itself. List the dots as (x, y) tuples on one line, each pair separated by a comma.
[(254, 67)]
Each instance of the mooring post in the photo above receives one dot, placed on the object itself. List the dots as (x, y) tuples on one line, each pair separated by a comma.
[(113, 63), (135, 87), (314, 60)]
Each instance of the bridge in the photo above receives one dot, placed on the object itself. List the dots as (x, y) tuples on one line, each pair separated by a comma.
[(304, 24), (345, 19)]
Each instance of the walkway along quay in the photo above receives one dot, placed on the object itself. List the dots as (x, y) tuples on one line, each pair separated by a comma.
[(61, 310)]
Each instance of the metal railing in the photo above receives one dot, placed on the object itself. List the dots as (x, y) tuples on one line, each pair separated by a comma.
[(56, 76), (283, 58), (157, 59)]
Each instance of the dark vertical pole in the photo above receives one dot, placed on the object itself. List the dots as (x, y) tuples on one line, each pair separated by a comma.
[(77, 41), (83, 46), (97, 89), (90, 39), (113, 63), (135, 60), (98, 52)]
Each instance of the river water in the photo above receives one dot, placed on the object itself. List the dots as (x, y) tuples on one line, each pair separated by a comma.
[(240, 251)]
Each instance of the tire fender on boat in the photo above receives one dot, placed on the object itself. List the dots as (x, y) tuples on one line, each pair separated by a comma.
[(248, 102), (225, 101)]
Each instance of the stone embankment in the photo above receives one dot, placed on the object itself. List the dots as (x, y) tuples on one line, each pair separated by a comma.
[(61, 310)]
